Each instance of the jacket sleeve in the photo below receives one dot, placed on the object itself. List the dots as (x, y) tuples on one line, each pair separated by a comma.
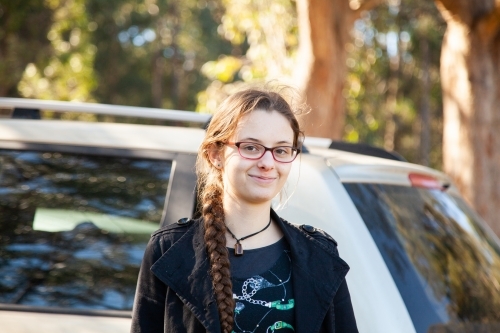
[(149, 303), (345, 321), (340, 317)]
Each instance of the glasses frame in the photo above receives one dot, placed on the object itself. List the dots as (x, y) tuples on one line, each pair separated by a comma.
[(237, 145)]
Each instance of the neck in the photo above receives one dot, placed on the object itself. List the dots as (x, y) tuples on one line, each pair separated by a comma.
[(245, 219)]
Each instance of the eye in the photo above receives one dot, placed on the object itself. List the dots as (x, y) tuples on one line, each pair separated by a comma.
[(282, 151), (250, 148)]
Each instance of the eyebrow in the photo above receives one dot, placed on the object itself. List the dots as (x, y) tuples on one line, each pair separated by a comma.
[(259, 141)]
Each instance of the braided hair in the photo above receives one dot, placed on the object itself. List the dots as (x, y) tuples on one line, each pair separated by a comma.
[(211, 188)]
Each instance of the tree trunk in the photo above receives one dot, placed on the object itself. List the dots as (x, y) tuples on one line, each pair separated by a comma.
[(391, 102), (324, 29), (425, 112), (470, 73)]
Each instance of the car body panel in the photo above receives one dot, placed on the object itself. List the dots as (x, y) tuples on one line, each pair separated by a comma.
[(377, 304), (351, 167), (28, 322)]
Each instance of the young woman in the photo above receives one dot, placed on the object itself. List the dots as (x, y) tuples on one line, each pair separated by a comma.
[(240, 267)]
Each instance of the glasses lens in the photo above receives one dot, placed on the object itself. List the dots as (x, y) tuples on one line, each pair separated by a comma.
[(251, 150), (284, 154)]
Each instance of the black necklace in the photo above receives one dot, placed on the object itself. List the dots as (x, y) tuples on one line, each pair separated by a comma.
[(238, 249)]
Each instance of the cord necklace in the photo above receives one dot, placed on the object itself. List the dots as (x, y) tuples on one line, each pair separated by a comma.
[(238, 249)]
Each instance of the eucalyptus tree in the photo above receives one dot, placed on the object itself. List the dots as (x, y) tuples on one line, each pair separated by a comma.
[(470, 68)]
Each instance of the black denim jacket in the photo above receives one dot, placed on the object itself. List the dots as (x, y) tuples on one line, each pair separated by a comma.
[(174, 291)]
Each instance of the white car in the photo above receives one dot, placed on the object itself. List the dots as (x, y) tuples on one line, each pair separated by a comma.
[(78, 201)]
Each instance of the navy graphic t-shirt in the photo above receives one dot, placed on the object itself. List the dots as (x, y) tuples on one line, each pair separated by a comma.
[(262, 289)]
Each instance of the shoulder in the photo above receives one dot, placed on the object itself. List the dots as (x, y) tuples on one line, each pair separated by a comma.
[(162, 239), (313, 233), (181, 226)]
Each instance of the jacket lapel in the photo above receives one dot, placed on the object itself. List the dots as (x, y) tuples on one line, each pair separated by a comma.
[(185, 269), (317, 274)]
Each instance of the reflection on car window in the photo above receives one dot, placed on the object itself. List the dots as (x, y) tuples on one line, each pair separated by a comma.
[(444, 262), (73, 228)]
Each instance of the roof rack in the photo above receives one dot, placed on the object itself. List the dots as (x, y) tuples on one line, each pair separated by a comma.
[(365, 149), (103, 109), (358, 148)]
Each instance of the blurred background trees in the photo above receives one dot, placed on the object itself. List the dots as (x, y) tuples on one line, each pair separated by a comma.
[(370, 75), (371, 69), (23, 29), (130, 52), (149, 53), (66, 71), (393, 88), (325, 27)]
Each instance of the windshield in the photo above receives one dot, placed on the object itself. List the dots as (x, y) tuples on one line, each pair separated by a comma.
[(73, 228), (445, 263)]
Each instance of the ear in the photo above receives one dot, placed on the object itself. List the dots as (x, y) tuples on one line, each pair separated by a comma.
[(215, 156)]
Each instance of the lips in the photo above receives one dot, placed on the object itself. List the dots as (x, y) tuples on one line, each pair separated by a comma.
[(263, 179)]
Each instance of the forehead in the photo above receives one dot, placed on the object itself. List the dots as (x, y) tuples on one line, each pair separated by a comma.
[(265, 126)]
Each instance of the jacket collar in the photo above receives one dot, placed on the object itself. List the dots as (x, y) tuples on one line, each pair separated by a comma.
[(311, 262), (188, 258)]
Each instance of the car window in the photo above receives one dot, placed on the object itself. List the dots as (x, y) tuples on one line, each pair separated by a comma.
[(73, 227), (443, 260)]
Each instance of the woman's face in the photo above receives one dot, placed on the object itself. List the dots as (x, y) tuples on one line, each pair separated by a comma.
[(256, 181)]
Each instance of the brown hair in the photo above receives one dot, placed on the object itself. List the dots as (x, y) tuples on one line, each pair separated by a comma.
[(211, 188)]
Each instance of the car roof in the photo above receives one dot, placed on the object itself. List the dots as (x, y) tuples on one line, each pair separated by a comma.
[(105, 135), (348, 166), (357, 168), (360, 168)]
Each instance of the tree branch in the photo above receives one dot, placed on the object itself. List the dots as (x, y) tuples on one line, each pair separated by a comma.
[(488, 25), (483, 19), (449, 5), (465, 11)]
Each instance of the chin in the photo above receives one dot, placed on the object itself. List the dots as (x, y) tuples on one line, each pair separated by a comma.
[(260, 199)]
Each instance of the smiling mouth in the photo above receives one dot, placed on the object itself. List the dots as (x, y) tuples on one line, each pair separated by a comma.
[(263, 178)]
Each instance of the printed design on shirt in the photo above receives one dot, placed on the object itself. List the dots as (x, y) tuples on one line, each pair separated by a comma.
[(264, 302)]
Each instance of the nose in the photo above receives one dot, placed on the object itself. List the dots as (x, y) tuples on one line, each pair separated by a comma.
[(266, 161)]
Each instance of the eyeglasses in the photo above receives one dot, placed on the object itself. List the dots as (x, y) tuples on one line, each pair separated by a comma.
[(254, 151)]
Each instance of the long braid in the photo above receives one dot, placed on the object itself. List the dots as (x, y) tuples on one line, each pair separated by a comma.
[(215, 240)]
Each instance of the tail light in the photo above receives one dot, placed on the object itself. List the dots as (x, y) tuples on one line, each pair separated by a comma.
[(426, 181)]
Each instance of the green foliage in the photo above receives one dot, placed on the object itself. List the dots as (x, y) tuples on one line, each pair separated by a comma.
[(148, 45), (264, 36), (67, 74), (131, 52), (23, 29)]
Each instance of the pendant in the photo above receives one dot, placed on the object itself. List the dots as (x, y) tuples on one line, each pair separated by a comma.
[(238, 249)]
